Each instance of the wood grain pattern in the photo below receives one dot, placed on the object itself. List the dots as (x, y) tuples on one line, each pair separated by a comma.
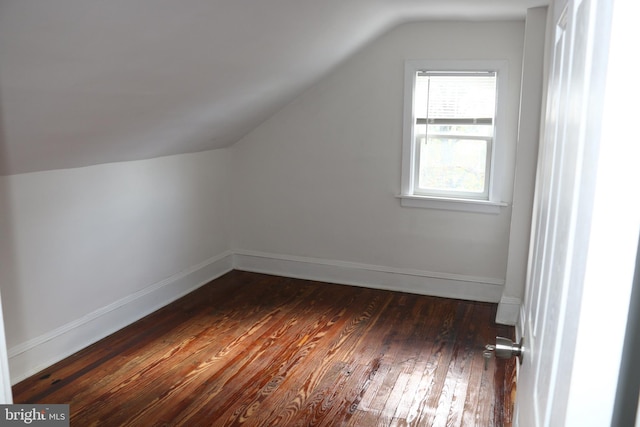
[(258, 350)]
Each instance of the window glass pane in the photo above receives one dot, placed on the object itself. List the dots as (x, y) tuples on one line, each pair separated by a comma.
[(455, 96), (460, 130), (454, 126), (420, 95), (448, 164)]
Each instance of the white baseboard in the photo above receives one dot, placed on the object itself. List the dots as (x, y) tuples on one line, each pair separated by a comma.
[(372, 276), (521, 325), (508, 311), (38, 353)]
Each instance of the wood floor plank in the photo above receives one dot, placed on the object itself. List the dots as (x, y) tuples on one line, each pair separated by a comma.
[(224, 374), (415, 389), (453, 396), (342, 350), (303, 353), (255, 350)]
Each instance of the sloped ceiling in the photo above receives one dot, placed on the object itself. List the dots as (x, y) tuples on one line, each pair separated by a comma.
[(84, 82)]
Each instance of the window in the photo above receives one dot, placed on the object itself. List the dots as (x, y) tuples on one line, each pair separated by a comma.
[(451, 118)]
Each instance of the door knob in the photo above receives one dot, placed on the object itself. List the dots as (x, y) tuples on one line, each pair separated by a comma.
[(506, 349)]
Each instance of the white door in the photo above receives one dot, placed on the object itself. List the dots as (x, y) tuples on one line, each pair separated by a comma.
[(5, 381), (586, 220)]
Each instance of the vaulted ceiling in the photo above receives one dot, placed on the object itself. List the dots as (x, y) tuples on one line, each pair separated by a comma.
[(84, 82)]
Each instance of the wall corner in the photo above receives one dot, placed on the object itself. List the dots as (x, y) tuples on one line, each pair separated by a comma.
[(508, 311)]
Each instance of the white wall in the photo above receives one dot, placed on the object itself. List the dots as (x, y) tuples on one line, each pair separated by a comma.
[(531, 100), (314, 186), (86, 251)]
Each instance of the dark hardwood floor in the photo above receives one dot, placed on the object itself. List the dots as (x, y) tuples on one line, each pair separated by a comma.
[(261, 350)]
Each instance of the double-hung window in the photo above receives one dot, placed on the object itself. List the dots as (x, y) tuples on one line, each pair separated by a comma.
[(450, 138)]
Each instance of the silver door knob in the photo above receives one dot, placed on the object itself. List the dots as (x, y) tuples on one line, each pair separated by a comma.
[(506, 349)]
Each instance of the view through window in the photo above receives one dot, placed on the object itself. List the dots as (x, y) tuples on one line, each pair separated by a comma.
[(454, 117)]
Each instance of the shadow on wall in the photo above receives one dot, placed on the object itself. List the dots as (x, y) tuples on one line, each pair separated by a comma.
[(8, 271)]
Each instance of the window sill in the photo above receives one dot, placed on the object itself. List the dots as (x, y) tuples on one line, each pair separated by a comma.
[(464, 205)]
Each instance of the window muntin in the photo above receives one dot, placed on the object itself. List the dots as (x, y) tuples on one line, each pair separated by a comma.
[(453, 132)]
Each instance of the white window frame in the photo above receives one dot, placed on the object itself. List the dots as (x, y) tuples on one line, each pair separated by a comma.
[(409, 197)]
